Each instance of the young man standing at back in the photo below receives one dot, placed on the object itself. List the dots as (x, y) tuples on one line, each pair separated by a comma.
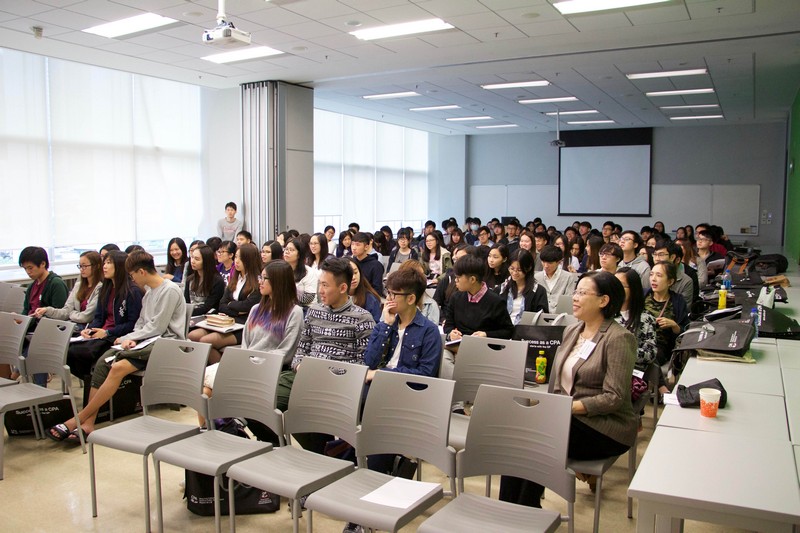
[(229, 226), (163, 315), (369, 264)]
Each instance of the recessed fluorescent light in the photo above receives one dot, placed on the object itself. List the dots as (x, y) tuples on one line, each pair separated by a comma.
[(549, 100), (591, 122), (697, 117), (680, 92), (562, 113), (571, 7), (252, 52), (496, 126), (406, 28), (667, 74), (516, 84), (435, 108), (699, 106), (386, 96), (137, 24), (462, 119)]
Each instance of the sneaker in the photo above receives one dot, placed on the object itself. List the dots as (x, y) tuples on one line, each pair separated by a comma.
[(353, 528)]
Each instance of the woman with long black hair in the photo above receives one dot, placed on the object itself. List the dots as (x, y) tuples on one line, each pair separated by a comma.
[(204, 286), (305, 278)]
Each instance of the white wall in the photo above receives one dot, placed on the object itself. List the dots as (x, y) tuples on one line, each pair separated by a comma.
[(222, 156), (752, 154), (447, 175)]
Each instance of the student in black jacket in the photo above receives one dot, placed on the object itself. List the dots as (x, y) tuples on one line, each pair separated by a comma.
[(521, 292), (371, 268)]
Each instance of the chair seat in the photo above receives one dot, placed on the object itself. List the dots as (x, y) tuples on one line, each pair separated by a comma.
[(290, 472), (211, 453), (25, 394), (470, 513), (6, 382), (342, 500), (594, 467), (141, 435), (457, 437)]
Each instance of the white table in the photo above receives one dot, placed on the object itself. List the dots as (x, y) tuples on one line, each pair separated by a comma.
[(789, 353), (759, 378), (791, 384), (797, 459), (744, 414), (743, 482)]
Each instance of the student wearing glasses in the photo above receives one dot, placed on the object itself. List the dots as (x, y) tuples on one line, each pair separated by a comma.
[(485, 237), (593, 365), (631, 244), (684, 285), (610, 256), (82, 301), (224, 259)]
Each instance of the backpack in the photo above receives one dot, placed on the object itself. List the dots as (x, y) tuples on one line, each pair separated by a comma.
[(771, 264)]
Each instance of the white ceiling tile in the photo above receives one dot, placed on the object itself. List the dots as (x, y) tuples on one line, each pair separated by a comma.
[(510, 4), (275, 17), (723, 8), (314, 8), (161, 42), (102, 9), (530, 14), (69, 19), (82, 38), (477, 21), (369, 51), (408, 45), (488, 35), (7, 16), (309, 30), (658, 15), (452, 8), (150, 5), (193, 14), (443, 39), (340, 22), (547, 28), (24, 25), (59, 3), (186, 32), (127, 48), (364, 5), (164, 56), (197, 50), (398, 14), (272, 38), (24, 8), (341, 40), (605, 21)]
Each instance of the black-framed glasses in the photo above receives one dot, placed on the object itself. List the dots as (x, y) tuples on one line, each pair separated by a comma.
[(81, 267), (392, 295), (262, 279)]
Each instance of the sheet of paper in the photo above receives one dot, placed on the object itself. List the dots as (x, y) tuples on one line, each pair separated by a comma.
[(671, 399), (400, 493), (139, 344), (77, 339)]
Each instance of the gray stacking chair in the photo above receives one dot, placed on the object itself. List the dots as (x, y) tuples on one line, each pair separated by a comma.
[(47, 353), (564, 304), (404, 414), (513, 432), (326, 398), (12, 298), (175, 373), (245, 387), (13, 328), (484, 361)]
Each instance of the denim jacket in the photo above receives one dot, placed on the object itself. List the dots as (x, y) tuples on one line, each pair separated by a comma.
[(421, 351)]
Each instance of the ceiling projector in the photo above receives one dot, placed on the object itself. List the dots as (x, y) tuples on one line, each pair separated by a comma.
[(226, 35)]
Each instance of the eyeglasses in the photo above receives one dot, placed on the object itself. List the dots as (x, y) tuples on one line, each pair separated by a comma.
[(625, 239), (81, 267), (392, 295), (223, 252), (580, 293), (514, 269), (262, 279), (661, 254)]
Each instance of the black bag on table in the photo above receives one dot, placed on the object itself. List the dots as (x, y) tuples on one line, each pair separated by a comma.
[(771, 264), (199, 491), (774, 324), (545, 339), (731, 337), (690, 396), (740, 262)]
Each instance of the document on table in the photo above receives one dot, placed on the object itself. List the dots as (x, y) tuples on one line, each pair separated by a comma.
[(671, 399), (400, 493), (139, 344)]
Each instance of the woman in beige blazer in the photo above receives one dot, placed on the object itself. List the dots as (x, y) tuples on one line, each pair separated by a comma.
[(594, 365)]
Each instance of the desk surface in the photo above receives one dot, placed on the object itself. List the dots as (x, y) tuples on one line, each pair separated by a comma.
[(759, 378), (789, 353), (698, 474), (744, 414), (791, 384)]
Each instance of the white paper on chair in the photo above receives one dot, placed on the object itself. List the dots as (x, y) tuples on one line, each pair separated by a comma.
[(400, 493)]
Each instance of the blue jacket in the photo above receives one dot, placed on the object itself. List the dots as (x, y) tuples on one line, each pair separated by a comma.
[(421, 351), (126, 312)]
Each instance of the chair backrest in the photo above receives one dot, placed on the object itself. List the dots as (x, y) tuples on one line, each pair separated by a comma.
[(189, 311), (175, 373), (395, 267), (482, 360), (12, 334), (47, 351), (326, 398), (519, 433), (246, 385), (12, 298), (410, 415), (384, 260), (530, 318), (564, 304)]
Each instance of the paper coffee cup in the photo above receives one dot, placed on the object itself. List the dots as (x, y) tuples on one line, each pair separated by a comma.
[(709, 402)]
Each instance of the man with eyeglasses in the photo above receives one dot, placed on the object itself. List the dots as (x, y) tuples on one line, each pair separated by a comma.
[(630, 242), (684, 285), (484, 237)]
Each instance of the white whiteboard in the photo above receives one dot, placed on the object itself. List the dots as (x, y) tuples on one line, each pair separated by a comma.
[(730, 206)]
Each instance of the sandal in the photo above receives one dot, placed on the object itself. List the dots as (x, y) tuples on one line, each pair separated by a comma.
[(74, 438), (58, 433)]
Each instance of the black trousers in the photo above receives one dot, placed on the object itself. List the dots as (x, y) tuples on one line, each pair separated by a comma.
[(584, 443)]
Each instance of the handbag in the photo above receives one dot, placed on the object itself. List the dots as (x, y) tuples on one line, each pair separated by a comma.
[(731, 337), (199, 491), (638, 387), (542, 340), (774, 324), (690, 396), (740, 262)]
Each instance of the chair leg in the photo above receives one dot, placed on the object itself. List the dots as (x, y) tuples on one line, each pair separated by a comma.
[(92, 480), (295, 516), (488, 486), (309, 522), (2, 442), (160, 511), (631, 471), (231, 506), (571, 511), (597, 500), (77, 420), (217, 512)]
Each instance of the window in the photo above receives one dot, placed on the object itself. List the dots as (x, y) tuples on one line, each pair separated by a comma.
[(91, 155), (368, 172)]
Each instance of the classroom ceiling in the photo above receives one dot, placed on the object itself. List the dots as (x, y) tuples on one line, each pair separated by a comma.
[(751, 49)]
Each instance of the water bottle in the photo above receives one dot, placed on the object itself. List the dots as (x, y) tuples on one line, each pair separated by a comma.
[(727, 281), (756, 316)]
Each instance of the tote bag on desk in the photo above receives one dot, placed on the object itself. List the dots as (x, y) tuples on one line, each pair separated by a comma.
[(545, 339)]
